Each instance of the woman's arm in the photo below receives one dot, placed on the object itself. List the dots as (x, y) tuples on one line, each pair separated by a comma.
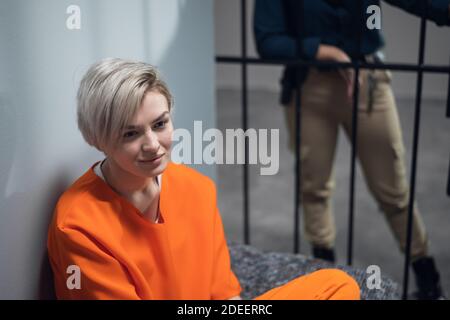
[(100, 275), (273, 39), (269, 27), (332, 53)]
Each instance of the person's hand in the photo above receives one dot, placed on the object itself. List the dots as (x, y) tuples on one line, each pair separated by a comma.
[(327, 52)]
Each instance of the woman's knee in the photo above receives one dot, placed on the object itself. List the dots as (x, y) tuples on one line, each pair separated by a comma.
[(340, 285)]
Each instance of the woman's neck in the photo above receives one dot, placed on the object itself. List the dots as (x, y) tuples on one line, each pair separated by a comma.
[(126, 184), (143, 194)]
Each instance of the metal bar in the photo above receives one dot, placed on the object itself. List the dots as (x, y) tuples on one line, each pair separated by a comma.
[(412, 189), (362, 65), (298, 144), (298, 170), (354, 144), (448, 116), (448, 96), (244, 118), (448, 180), (353, 169)]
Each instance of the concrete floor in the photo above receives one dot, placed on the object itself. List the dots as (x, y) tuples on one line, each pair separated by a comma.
[(272, 197)]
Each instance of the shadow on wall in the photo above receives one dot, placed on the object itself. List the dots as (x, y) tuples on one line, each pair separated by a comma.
[(46, 289), (46, 283), (9, 198), (27, 196)]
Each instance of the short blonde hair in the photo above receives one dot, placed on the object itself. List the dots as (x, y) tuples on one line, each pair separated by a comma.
[(109, 95)]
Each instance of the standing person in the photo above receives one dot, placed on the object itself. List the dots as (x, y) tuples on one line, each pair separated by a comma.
[(136, 225), (330, 30)]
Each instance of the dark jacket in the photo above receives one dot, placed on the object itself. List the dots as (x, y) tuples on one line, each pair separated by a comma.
[(288, 29)]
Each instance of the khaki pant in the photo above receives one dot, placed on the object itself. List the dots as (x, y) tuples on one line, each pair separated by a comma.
[(380, 151)]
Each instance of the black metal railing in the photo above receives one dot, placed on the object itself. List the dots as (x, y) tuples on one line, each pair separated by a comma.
[(420, 68)]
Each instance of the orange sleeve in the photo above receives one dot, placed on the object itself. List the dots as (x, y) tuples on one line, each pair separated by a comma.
[(225, 284), (101, 276)]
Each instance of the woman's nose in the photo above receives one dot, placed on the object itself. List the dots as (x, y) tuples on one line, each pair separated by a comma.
[(151, 143)]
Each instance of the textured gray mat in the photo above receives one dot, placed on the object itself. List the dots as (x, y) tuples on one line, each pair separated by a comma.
[(260, 271)]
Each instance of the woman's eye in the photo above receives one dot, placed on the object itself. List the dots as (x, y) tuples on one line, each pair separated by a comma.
[(130, 134), (160, 124)]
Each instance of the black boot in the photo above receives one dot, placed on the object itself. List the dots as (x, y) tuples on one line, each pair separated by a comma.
[(324, 254), (427, 280)]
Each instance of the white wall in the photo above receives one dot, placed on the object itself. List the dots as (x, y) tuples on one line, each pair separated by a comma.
[(41, 63), (401, 32)]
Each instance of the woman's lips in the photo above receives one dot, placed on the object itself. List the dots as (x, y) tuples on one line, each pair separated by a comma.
[(152, 160)]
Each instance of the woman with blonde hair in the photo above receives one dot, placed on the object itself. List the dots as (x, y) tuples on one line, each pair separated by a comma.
[(137, 226)]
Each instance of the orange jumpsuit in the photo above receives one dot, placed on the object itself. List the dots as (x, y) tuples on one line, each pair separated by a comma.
[(122, 255)]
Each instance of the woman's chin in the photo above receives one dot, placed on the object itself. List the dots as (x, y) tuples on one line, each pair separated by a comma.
[(154, 168)]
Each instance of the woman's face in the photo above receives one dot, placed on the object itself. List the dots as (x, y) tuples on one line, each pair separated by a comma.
[(144, 149)]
